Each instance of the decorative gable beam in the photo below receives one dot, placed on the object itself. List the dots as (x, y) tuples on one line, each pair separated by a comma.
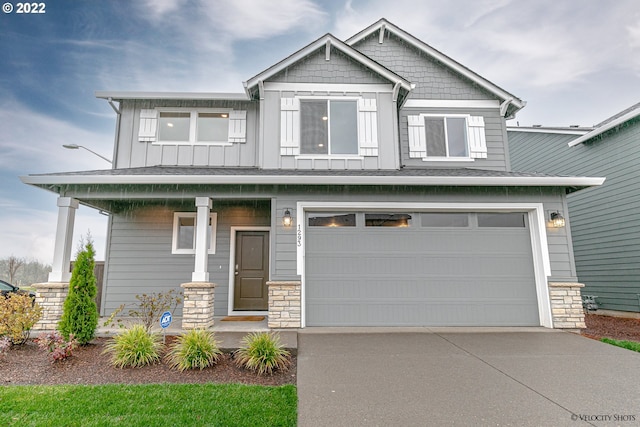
[(381, 36), (327, 50)]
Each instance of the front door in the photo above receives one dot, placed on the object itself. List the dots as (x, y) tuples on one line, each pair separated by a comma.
[(251, 271)]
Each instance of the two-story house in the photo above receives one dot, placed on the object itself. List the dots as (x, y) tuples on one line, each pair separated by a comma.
[(355, 183)]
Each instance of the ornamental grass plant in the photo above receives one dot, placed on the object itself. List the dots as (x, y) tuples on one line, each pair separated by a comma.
[(262, 352), (196, 348), (134, 347)]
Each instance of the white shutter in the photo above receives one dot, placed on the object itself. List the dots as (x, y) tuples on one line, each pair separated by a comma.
[(417, 137), (289, 126), (237, 126), (477, 139), (367, 127), (148, 125)]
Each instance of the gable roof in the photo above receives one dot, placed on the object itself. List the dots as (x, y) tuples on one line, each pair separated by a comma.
[(610, 123), (327, 41), (382, 25)]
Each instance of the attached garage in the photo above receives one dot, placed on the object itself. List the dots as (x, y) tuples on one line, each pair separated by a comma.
[(419, 269)]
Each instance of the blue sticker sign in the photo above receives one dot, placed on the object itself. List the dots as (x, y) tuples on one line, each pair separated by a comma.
[(165, 319)]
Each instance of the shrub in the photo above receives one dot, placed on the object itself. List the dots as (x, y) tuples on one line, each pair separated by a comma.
[(56, 345), (18, 314), (262, 352), (194, 349), (80, 313), (134, 347), (149, 308)]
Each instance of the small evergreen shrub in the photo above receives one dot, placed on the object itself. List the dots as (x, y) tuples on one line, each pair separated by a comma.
[(194, 349), (56, 345), (18, 314), (79, 312), (262, 352), (148, 309), (134, 347)]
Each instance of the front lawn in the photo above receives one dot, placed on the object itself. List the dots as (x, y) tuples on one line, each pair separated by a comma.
[(148, 405), (629, 345)]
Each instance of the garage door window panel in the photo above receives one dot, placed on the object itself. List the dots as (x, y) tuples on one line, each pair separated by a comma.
[(387, 220), (445, 219), (502, 220), (332, 220)]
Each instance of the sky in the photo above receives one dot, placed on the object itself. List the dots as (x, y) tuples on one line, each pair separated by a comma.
[(575, 62)]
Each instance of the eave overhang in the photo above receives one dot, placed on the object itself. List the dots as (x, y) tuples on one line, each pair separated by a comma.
[(124, 95), (606, 127)]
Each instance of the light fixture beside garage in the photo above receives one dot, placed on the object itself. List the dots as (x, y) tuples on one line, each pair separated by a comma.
[(287, 221), (556, 219)]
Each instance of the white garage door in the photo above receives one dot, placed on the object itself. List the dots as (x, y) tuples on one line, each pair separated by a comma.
[(419, 269)]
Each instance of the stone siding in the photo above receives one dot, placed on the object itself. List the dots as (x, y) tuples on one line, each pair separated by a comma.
[(566, 305), (50, 296), (284, 304), (197, 312)]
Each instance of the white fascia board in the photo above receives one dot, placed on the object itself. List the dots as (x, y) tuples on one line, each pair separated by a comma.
[(341, 46), (241, 96), (327, 87), (548, 130), (604, 128), (451, 103), (471, 181), (439, 56)]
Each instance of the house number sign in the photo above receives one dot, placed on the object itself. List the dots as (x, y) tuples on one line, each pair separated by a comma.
[(299, 235)]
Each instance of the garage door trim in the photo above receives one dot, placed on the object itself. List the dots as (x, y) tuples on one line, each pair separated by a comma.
[(537, 229)]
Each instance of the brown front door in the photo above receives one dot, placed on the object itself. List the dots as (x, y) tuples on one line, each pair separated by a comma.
[(252, 270)]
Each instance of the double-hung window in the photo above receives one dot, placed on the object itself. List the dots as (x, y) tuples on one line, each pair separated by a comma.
[(446, 137), (202, 126), (184, 233), (328, 127)]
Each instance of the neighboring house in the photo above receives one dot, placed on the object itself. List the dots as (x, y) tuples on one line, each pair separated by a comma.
[(355, 183), (605, 221)]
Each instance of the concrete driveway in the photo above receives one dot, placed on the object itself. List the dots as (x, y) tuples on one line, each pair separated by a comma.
[(418, 377)]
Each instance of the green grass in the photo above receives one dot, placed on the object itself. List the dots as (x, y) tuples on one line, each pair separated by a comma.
[(629, 345), (148, 405)]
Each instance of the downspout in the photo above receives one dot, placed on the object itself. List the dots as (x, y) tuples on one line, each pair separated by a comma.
[(260, 141), (396, 122)]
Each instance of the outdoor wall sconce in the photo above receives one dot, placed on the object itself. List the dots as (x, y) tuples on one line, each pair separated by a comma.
[(556, 219), (287, 221)]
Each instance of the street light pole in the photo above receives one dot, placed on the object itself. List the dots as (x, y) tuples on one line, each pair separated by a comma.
[(76, 146)]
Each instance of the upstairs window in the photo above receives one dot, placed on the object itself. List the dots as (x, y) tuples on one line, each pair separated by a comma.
[(206, 126), (334, 126), (184, 233), (328, 127), (446, 137)]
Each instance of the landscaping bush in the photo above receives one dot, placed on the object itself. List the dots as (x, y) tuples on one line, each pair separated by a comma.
[(194, 349), (80, 313), (148, 309), (134, 347), (629, 345), (18, 314), (56, 345), (262, 352)]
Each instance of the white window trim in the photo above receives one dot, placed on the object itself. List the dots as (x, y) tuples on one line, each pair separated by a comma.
[(213, 216), (468, 157), (193, 126), (329, 155), (537, 231)]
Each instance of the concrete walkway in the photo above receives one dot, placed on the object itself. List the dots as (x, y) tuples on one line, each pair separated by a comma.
[(422, 377)]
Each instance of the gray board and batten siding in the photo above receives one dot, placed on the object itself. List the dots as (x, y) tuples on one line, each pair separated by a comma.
[(605, 220), (133, 153)]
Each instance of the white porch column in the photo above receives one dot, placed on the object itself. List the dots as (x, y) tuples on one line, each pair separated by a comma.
[(200, 273), (64, 234)]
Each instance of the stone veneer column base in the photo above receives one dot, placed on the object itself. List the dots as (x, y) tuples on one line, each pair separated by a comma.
[(197, 312), (566, 305), (284, 304), (50, 296)]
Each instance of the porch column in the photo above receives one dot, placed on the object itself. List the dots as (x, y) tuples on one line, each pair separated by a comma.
[(200, 273), (64, 234)]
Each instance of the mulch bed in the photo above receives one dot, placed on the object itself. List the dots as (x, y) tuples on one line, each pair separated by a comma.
[(27, 364), (611, 327)]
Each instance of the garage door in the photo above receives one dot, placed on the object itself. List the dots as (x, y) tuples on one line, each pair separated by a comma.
[(419, 269)]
